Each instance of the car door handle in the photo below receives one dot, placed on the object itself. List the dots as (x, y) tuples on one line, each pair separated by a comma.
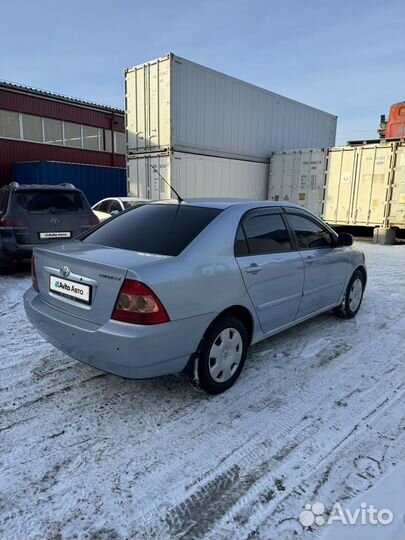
[(253, 269)]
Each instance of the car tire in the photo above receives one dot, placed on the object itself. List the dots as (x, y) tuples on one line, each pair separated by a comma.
[(353, 297), (221, 355)]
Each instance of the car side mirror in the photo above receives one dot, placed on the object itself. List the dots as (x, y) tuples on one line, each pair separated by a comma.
[(345, 239), (114, 212)]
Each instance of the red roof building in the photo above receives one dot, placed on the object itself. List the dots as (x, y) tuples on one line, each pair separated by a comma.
[(38, 125)]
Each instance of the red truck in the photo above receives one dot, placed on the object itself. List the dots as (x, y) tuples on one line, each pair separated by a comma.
[(394, 127)]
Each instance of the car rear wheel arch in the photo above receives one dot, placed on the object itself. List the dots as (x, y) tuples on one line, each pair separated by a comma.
[(221, 354), (241, 313)]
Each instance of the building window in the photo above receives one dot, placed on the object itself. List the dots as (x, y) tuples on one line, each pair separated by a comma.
[(90, 138), (32, 128), (53, 131), (9, 124), (119, 142), (14, 125), (73, 135), (107, 140)]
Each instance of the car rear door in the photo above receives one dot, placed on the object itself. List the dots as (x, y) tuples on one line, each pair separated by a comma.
[(326, 264), (272, 271)]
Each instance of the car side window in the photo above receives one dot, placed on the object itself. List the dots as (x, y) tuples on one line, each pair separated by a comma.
[(103, 207), (266, 233), (309, 234), (241, 245), (115, 206)]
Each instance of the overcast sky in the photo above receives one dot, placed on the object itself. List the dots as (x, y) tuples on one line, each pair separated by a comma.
[(344, 56)]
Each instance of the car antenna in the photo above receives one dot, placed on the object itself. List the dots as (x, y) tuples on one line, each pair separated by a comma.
[(180, 199)]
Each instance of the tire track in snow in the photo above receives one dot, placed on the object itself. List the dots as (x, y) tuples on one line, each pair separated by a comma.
[(289, 430)]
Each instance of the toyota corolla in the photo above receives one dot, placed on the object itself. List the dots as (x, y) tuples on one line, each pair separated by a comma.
[(189, 285)]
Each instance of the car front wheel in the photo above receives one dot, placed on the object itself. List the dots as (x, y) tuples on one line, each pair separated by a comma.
[(220, 356), (353, 297)]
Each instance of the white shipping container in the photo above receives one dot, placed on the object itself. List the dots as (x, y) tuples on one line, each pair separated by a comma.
[(365, 185), (174, 104), (396, 208), (195, 175), (299, 177)]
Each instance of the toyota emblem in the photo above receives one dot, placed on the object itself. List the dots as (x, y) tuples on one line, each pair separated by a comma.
[(65, 271), (55, 221)]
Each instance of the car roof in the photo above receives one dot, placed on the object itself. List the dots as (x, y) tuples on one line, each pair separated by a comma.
[(222, 203), (130, 199), (137, 199), (40, 187)]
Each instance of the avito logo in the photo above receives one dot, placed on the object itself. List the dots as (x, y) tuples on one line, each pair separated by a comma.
[(62, 285), (366, 514), (69, 288)]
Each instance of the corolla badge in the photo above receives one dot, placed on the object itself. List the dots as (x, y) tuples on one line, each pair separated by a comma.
[(65, 271), (55, 221)]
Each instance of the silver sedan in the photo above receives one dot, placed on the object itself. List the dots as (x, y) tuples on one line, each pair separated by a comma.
[(188, 286)]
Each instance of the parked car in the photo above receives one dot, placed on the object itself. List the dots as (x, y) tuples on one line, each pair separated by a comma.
[(101, 216), (112, 206), (36, 215), (188, 286)]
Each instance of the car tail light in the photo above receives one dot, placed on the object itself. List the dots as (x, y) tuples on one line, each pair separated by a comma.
[(34, 274), (137, 304), (89, 221), (9, 223)]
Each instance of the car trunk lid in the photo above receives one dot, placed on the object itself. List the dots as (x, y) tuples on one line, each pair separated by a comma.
[(65, 269)]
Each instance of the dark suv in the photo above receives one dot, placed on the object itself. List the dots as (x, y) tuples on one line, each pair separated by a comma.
[(33, 215)]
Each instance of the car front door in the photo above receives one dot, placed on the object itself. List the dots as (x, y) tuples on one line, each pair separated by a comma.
[(273, 273), (326, 264)]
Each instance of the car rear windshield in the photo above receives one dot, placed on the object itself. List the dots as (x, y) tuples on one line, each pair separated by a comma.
[(49, 201), (163, 229)]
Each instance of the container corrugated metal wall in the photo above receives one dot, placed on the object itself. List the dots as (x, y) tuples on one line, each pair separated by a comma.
[(195, 175), (396, 210), (14, 151), (340, 181), (299, 177), (95, 182), (365, 185), (175, 104)]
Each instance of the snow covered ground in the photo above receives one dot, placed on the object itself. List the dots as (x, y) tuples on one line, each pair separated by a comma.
[(317, 415)]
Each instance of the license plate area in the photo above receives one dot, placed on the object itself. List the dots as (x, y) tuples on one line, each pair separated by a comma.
[(54, 235), (70, 289)]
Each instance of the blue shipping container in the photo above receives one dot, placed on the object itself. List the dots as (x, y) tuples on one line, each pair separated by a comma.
[(95, 181)]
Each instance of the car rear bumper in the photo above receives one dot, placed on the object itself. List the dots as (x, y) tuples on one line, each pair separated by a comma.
[(8, 246), (128, 350), (10, 250)]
